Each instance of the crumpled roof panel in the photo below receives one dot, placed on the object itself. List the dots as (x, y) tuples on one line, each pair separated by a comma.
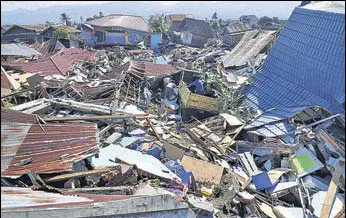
[(306, 66)]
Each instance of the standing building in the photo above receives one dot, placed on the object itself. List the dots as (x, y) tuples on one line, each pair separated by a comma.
[(23, 33), (116, 29)]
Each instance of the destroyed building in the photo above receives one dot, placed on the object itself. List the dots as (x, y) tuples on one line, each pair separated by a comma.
[(256, 129)]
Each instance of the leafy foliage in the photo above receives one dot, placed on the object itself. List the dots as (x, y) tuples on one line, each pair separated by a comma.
[(263, 20), (61, 33), (65, 19), (158, 25)]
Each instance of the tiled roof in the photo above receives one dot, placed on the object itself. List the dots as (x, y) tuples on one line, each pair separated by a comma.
[(143, 68), (125, 21), (56, 64), (306, 66), (198, 27)]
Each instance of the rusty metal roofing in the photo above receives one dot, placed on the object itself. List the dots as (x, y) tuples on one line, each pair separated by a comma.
[(52, 147), (143, 68), (58, 63), (9, 115)]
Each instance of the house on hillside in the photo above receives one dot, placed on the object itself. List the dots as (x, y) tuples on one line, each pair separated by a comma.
[(48, 33), (234, 32), (252, 20), (116, 29), (194, 32), (23, 33)]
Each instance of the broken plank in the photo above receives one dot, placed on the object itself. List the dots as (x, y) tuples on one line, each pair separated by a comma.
[(245, 163), (118, 116), (76, 175), (328, 201)]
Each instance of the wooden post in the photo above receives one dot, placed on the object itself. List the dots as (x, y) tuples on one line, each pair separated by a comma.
[(333, 186)]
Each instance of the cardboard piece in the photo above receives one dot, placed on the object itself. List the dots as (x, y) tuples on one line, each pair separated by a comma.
[(202, 170)]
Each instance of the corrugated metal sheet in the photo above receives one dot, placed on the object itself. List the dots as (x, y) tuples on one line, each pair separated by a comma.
[(124, 21), (236, 27), (143, 68), (306, 66), (9, 115), (11, 139), (250, 45), (275, 115), (14, 197), (274, 130), (59, 63), (51, 151), (17, 50)]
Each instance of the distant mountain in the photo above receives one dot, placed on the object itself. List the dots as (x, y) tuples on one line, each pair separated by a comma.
[(200, 9)]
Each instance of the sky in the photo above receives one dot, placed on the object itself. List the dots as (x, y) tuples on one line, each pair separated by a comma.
[(15, 12), (33, 5)]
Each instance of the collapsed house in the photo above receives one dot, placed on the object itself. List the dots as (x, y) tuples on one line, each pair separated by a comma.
[(234, 32), (104, 134)]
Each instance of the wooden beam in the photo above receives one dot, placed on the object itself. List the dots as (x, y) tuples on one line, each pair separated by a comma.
[(118, 116), (333, 186), (78, 174)]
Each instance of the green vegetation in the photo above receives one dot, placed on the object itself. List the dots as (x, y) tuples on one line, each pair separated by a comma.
[(61, 33), (65, 19), (158, 25)]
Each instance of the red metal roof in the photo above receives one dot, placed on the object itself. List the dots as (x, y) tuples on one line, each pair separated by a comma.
[(58, 63), (5, 82), (143, 68), (52, 150), (9, 115)]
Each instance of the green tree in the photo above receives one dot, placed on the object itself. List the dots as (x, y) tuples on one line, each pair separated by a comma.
[(276, 20), (263, 20), (65, 19), (61, 33), (101, 14), (158, 25), (214, 17), (221, 23)]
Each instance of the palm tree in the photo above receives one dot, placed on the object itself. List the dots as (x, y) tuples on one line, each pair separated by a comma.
[(65, 19)]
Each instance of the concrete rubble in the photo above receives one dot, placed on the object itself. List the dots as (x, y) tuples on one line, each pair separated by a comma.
[(130, 124)]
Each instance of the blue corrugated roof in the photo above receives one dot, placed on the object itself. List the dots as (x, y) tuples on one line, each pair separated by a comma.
[(275, 129), (306, 66)]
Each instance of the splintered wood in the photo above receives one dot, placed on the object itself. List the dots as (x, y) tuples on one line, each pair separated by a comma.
[(202, 170)]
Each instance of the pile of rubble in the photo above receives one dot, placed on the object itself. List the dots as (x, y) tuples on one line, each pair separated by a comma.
[(129, 123)]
